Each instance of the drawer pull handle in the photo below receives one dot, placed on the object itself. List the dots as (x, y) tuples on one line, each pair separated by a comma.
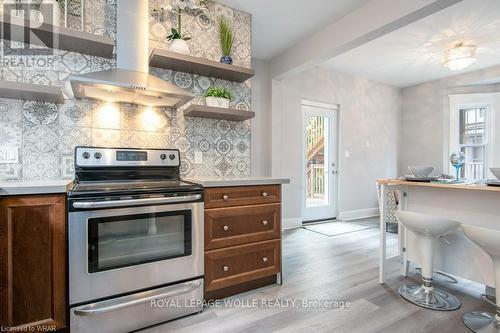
[(225, 268), (264, 222), (225, 197), (226, 228), (264, 259), (264, 194)]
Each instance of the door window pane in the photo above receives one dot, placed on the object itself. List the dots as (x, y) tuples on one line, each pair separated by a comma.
[(317, 161), (120, 241)]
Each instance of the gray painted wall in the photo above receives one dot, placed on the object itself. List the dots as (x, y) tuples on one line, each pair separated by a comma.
[(369, 122), (425, 122)]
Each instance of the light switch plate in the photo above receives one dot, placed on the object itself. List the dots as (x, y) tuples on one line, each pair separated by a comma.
[(198, 157), (9, 155)]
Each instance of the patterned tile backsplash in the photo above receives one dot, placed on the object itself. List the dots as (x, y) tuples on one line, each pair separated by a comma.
[(47, 133)]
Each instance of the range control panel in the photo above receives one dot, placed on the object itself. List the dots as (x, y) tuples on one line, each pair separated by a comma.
[(99, 157)]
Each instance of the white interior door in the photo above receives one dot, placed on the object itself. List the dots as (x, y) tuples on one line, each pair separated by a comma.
[(319, 161)]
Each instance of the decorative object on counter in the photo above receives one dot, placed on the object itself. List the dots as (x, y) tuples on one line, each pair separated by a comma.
[(495, 172), (226, 40), (420, 174), (496, 181), (218, 97), (457, 160), (412, 178), (176, 38), (421, 171)]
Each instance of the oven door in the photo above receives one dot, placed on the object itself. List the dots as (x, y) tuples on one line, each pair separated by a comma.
[(120, 250)]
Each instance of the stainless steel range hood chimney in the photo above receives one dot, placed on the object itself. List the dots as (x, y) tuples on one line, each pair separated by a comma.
[(130, 82)]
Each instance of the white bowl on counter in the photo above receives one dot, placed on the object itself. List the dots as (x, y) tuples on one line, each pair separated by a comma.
[(421, 171), (495, 172)]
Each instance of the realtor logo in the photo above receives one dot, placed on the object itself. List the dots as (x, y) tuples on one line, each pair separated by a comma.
[(28, 29)]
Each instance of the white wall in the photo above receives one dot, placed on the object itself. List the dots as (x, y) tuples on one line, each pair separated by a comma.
[(261, 124), (425, 122), (369, 121)]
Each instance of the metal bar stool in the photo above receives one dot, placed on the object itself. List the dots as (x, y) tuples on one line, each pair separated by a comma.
[(427, 229), (489, 241)]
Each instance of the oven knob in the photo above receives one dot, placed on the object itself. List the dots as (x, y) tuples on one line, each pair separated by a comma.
[(171, 156), (97, 155), (86, 155), (163, 157)]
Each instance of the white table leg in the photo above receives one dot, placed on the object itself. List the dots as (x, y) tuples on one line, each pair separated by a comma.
[(383, 235)]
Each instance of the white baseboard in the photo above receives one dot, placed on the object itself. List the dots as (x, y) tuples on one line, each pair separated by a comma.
[(291, 223), (358, 214)]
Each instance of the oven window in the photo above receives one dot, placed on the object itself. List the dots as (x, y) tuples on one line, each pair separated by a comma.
[(121, 241)]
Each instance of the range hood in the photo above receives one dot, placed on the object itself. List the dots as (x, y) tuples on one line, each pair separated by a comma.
[(130, 82)]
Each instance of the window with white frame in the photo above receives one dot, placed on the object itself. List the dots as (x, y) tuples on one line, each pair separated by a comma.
[(475, 131), (472, 141)]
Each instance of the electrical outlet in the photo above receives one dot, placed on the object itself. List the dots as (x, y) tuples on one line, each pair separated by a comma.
[(9, 155), (198, 157)]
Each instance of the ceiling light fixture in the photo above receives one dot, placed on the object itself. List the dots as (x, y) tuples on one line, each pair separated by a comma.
[(459, 57)]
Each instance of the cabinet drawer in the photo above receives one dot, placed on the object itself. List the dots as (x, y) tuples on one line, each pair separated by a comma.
[(241, 195), (241, 225), (238, 264)]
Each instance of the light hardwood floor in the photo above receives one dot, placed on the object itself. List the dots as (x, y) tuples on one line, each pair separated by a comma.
[(341, 267)]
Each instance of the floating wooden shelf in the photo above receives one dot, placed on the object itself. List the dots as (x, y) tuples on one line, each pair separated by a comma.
[(29, 91), (203, 111), (189, 64), (14, 29)]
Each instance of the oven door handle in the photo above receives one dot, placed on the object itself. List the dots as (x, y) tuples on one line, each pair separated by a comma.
[(134, 202), (115, 305)]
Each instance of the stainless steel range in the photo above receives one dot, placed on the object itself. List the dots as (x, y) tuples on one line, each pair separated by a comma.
[(135, 239)]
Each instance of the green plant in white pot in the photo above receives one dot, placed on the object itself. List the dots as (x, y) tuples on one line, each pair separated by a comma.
[(218, 97), (178, 40)]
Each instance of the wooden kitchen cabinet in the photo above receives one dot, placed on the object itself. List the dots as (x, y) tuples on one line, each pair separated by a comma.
[(242, 238), (33, 287)]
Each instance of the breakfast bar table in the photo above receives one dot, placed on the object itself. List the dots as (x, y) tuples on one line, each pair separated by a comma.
[(467, 203)]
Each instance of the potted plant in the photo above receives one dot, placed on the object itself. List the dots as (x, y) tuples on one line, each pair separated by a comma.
[(226, 40), (218, 97), (177, 39)]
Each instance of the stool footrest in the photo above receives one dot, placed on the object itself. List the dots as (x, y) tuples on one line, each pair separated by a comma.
[(434, 299), (481, 322)]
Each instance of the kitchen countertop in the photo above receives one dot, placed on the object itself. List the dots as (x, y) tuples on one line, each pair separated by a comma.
[(237, 181), (28, 187), (458, 186)]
